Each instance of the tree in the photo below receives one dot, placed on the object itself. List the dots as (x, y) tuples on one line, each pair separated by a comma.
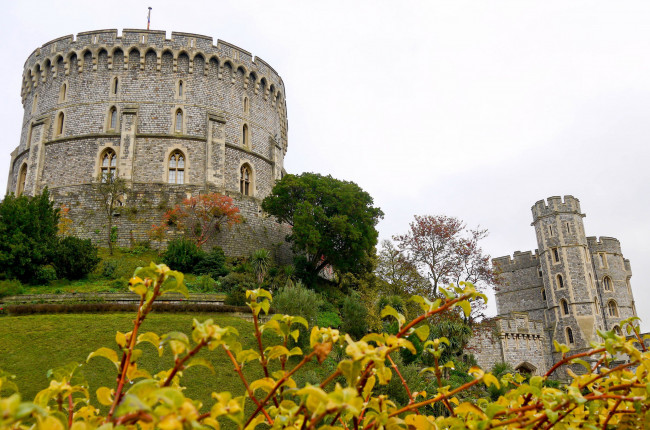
[(200, 217), (398, 273), (28, 234), (445, 251), (110, 196), (333, 221)]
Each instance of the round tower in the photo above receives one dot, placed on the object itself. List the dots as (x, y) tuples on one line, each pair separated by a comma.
[(173, 117), (572, 315)]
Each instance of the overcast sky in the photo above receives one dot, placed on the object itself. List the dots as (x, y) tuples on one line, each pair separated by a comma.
[(470, 109)]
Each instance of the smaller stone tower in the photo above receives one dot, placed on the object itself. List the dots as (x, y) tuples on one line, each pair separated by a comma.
[(612, 273), (566, 267)]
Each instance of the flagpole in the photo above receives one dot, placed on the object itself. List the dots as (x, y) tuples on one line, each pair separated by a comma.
[(149, 18)]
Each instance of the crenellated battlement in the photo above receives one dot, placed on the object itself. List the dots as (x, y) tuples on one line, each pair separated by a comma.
[(519, 260), (554, 205), (89, 45), (610, 245)]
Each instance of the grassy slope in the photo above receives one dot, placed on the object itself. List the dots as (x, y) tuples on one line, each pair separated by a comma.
[(33, 344)]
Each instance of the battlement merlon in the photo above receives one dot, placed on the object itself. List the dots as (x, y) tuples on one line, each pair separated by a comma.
[(555, 205), (519, 260)]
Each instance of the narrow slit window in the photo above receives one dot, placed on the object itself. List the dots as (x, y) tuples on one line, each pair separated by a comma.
[(556, 255), (113, 118), (245, 104), (550, 230), (59, 124), (180, 88), (244, 138), (178, 127), (245, 180), (22, 178), (569, 335), (116, 85), (560, 281), (62, 93), (543, 294), (565, 307)]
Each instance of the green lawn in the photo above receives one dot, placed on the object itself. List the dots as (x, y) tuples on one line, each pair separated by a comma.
[(30, 345)]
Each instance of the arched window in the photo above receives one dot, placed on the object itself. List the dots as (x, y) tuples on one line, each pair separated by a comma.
[(108, 165), (62, 93), (612, 309), (112, 118), (569, 335), (244, 137), (607, 283), (246, 107), (176, 168), (22, 177), (180, 88), (116, 85), (556, 255), (560, 281), (59, 124), (565, 307), (245, 180), (178, 126), (543, 294)]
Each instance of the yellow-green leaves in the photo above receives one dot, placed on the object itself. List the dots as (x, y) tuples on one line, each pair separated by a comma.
[(390, 311), (105, 395), (106, 353)]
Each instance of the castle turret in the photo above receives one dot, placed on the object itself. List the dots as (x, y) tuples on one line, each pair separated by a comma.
[(572, 316), (613, 273)]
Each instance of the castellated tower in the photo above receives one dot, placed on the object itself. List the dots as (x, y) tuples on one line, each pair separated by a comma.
[(571, 315), (173, 117), (568, 289)]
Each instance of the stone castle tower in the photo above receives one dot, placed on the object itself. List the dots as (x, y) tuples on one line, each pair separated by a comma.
[(173, 117), (569, 288)]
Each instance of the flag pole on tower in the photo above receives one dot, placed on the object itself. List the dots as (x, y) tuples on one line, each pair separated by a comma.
[(149, 18)]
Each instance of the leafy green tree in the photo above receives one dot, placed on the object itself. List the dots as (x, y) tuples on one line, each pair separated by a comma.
[(333, 221), (28, 234)]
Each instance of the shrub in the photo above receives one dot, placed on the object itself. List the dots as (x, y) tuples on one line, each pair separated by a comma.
[(108, 268), (354, 315), (183, 254), (235, 280), (236, 297), (213, 263), (328, 319), (298, 300), (75, 257), (43, 275), (10, 287), (203, 284)]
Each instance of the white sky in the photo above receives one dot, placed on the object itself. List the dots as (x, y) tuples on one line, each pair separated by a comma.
[(471, 109)]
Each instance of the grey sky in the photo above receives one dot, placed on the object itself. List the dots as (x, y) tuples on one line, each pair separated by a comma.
[(471, 109)]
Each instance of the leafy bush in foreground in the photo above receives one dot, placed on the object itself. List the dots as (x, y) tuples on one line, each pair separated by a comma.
[(606, 395), (183, 254)]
